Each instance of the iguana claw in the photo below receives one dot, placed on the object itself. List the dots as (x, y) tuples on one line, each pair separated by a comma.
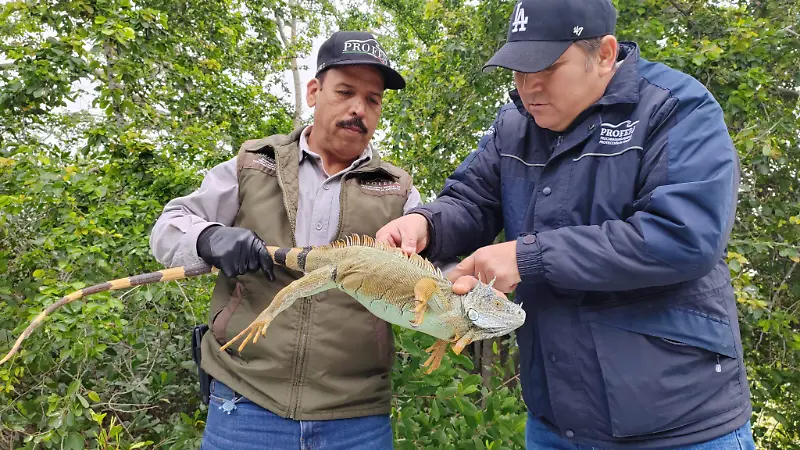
[(256, 328), (438, 350)]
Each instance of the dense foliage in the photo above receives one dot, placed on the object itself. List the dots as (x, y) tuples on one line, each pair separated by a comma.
[(110, 108)]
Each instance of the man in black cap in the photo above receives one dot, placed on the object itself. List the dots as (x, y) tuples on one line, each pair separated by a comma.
[(615, 181), (321, 376)]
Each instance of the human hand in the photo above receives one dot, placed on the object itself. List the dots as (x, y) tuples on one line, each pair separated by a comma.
[(410, 233), (234, 251), (498, 262), (465, 283)]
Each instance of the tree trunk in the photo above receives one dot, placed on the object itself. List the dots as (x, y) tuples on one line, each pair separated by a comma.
[(289, 43)]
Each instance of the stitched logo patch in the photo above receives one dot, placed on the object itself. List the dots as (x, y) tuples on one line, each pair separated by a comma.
[(267, 162), (620, 133), (381, 187)]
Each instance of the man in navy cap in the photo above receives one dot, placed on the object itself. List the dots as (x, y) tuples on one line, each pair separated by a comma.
[(321, 376), (615, 181)]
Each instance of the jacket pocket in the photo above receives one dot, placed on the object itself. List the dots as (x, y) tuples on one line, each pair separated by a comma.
[(664, 368)]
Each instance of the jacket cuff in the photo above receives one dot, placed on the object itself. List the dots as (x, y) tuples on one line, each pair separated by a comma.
[(529, 259), (429, 251)]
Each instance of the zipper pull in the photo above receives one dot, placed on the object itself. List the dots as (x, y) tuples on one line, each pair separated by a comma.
[(718, 367)]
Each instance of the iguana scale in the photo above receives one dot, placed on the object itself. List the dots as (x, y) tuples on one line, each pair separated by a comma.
[(406, 290)]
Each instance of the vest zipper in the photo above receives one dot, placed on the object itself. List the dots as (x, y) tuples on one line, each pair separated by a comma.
[(300, 358), (279, 171), (305, 308), (305, 313), (342, 195)]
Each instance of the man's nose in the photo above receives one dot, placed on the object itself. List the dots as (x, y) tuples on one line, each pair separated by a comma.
[(357, 107), (531, 82)]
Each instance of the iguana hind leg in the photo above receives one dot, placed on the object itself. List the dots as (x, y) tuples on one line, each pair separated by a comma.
[(437, 351), (424, 290), (312, 283)]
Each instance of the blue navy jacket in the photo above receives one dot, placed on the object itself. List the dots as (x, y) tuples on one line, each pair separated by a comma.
[(621, 223)]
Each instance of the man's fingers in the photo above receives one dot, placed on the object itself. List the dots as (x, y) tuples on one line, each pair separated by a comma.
[(265, 261), (465, 267), (464, 284), (389, 236), (408, 241)]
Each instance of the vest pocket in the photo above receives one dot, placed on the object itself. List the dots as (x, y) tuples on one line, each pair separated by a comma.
[(219, 325), (665, 369)]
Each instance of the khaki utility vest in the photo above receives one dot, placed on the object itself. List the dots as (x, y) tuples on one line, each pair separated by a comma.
[(326, 357)]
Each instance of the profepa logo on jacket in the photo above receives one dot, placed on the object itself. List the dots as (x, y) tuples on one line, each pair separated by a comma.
[(620, 133)]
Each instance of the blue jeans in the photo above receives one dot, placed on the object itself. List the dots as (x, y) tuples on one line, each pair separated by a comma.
[(251, 427), (538, 436)]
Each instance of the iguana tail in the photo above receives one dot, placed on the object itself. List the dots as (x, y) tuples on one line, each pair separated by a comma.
[(297, 258), (175, 273), (292, 257)]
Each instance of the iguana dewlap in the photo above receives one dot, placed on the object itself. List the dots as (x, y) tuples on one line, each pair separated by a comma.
[(406, 290), (401, 289)]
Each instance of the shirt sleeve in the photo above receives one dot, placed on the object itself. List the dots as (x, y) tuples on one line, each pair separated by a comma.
[(173, 239), (413, 200)]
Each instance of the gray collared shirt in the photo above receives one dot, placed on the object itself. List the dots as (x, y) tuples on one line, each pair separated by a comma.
[(173, 239)]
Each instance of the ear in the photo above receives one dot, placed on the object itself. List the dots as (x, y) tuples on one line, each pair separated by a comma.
[(312, 88), (607, 54)]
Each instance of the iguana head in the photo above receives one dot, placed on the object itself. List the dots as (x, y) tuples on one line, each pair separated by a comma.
[(490, 314)]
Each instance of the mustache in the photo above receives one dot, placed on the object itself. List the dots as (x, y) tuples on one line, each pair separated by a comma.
[(354, 122)]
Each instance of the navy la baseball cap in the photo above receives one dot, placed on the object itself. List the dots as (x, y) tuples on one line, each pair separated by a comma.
[(540, 31), (357, 47)]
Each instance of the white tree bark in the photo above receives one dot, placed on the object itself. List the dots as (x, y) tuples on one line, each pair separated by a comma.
[(289, 43)]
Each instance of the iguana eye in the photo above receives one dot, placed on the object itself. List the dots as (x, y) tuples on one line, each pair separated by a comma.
[(472, 314)]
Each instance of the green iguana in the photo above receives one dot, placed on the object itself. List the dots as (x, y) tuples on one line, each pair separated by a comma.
[(406, 290)]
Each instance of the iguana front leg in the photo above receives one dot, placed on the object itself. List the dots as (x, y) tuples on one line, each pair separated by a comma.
[(312, 283), (437, 351), (463, 341), (424, 290)]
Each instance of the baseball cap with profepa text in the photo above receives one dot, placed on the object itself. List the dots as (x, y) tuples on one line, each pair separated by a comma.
[(540, 31), (357, 47)]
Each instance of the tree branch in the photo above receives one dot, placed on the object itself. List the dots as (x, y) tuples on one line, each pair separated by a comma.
[(685, 12)]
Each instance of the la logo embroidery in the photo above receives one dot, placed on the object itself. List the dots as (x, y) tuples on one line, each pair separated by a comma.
[(520, 19), (577, 31)]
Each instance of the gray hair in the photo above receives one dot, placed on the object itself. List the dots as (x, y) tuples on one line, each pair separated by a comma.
[(590, 46)]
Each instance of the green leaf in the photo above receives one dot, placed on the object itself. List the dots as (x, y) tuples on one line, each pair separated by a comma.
[(73, 388), (93, 396), (83, 401), (447, 392), (74, 442)]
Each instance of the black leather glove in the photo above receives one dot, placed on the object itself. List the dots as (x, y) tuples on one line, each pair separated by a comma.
[(234, 251)]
